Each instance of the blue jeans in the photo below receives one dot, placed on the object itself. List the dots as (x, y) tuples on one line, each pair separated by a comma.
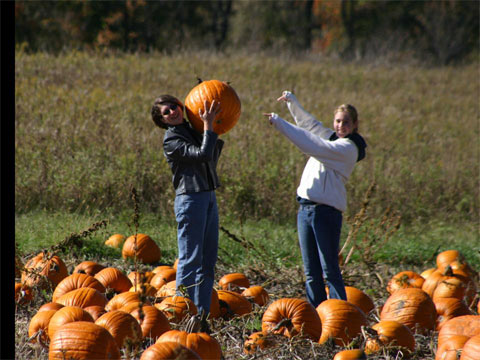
[(197, 236), (319, 229)]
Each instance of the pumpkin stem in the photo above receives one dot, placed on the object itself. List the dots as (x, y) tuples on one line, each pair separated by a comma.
[(448, 271), (283, 323), (199, 80)]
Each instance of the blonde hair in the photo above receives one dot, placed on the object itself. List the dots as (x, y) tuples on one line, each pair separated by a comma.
[(351, 111)]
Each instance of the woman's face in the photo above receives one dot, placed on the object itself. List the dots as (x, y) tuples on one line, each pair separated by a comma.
[(172, 114), (343, 124)]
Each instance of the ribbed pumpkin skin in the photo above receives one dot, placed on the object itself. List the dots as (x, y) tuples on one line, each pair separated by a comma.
[(221, 92), (258, 294), (39, 322), (50, 306), (297, 313), (122, 326), (113, 278), (234, 282), (148, 251), (390, 333), (95, 311), (450, 347), (176, 308), (51, 269), (120, 300), (88, 267), (353, 354), (411, 307), (77, 281), (65, 315), (162, 277), (153, 321), (82, 340), (83, 297), (203, 344), (448, 308), (168, 350), (467, 325), (471, 349), (168, 289), (340, 320), (236, 304), (405, 279)]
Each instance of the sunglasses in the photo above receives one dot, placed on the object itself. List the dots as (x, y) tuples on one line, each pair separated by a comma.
[(172, 107)]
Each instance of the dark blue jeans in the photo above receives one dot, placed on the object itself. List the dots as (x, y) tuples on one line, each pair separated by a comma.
[(197, 236), (319, 228)]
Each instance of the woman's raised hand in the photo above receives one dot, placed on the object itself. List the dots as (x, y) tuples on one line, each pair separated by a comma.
[(209, 114)]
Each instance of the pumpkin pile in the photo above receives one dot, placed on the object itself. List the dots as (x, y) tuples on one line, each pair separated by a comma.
[(98, 311)]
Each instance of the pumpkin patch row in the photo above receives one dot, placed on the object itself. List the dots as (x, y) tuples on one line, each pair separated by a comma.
[(144, 306)]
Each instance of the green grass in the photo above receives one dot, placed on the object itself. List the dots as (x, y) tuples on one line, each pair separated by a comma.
[(253, 243)]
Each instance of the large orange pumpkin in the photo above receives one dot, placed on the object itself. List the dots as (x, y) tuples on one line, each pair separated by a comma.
[(448, 308), (291, 316), (88, 267), (76, 281), (44, 270), (405, 279), (113, 278), (176, 308), (411, 307), (152, 321), (147, 250), (82, 340), (163, 276), (66, 315), (122, 299), (389, 333), (206, 346), (233, 304), (341, 321), (468, 325), (124, 328), (83, 297), (221, 92)]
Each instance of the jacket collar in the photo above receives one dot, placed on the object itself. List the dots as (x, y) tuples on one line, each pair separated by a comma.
[(357, 140)]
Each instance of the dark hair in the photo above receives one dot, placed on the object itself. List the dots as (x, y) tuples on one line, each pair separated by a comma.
[(157, 116)]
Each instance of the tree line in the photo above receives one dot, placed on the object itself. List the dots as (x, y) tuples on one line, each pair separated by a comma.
[(441, 31)]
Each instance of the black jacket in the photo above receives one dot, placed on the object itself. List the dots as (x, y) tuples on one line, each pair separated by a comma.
[(193, 158)]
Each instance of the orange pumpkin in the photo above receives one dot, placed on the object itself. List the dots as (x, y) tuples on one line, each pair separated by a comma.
[(152, 321), (233, 304), (113, 278), (82, 340), (405, 279), (459, 282), (124, 328), (448, 308), (176, 308), (95, 311), (115, 241), (122, 299), (163, 276), (426, 273), (352, 354), (169, 350), (50, 306), (411, 307), (359, 298), (388, 333), (65, 315), (290, 317), (451, 347), (147, 250), (76, 281), (83, 297), (341, 321), (471, 349), (88, 267), (168, 289), (257, 294), (446, 257), (140, 277), (258, 340), (203, 344), (44, 270), (230, 106), (234, 282), (38, 326), (146, 289), (467, 325)]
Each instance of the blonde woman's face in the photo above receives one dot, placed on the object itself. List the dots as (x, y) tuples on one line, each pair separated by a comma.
[(343, 124)]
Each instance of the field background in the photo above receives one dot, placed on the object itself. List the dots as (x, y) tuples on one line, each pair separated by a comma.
[(84, 139)]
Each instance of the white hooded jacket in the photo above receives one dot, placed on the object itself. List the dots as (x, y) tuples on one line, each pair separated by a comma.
[(330, 163)]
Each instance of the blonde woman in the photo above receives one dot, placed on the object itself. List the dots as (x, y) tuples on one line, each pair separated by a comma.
[(321, 194)]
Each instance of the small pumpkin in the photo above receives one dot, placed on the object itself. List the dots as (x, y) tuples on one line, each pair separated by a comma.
[(206, 346), (83, 297), (142, 247), (88, 267), (230, 106), (66, 315), (82, 340), (233, 304), (163, 276), (405, 279), (169, 350), (44, 270), (124, 328), (234, 282), (176, 308), (426, 273), (258, 340), (152, 321), (351, 354), (38, 326), (290, 317), (122, 299), (113, 278), (257, 294), (115, 241), (388, 333), (411, 307), (76, 281), (342, 321)]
